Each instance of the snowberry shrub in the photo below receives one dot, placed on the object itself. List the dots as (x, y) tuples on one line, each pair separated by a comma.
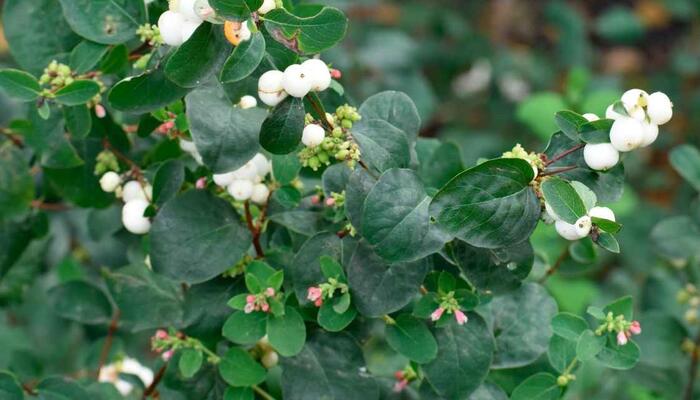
[(278, 248)]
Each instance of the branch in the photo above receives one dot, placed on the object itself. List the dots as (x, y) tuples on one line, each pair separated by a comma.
[(318, 107), (38, 204), (693, 370), (564, 154), (104, 354), (156, 380), (255, 231), (555, 171), (554, 268), (262, 393)]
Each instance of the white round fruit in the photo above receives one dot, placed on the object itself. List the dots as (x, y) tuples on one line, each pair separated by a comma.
[(583, 226), (319, 73), (132, 190), (245, 33), (248, 171), (634, 97), (267, 6), (262, 164), (270, 89), (602, 212), (600, 156), (247, 102), (133, 219), (659, 108), (610, 113), (590, 117), (186, 8), (188, 28), (224, 179), (260, 193), (651, 132), (241, 189), (626, 134), (170, 26), (296, 81), (110, 181), (270, 359), (313, 135), (566, 230)]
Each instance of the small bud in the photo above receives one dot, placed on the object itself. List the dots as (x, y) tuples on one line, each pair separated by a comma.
[(100, 111), (161, 334), (168, 355), (314, 293), (265, 307), (330, 202), (249, 308), (400, 385), (270, 359), (460, 317), (621, 338), (315, 199), (635, 328), (437, 314), (562, 380), (201, 183), (399, 375), (269, 292), (336, 73), (250, 298)]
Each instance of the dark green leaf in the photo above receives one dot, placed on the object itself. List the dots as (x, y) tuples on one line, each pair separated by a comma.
[(78, 120), (144, 93), (168, 180), (410, 337), (331, 320), (396, 108), (245, 328), (676, 237), (596, 131), (305, 270), (190, 362), (309, 34), (541, 386), (58, 388), (282, 130), (81, 301), (383, 146), (331, 268), (561, 352), (608, 242), (78, 92), (606, 225), (234, 393), (495, 270), (19, 84), (10, 388), (86, 55), (570, 123), (199, 57), (589, 345), (244, 60), (239, 369), (236, 10), (615, 356), (685, 159), (568, 326), (16, 184), (105, 21), (285, 168), (287, 332)]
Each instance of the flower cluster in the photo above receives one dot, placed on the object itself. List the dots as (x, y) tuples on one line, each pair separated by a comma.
[(624, 329), (247, 182), (150, 34), (690, 296), (448, 303), (534, 159), (297, 80), (167, 343), (322, 146), (57, 76), (258, 302), (637, 117), (179, 23), (316, 294), (403, 378)]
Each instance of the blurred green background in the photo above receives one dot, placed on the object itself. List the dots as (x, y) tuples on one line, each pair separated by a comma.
[(488, 74)]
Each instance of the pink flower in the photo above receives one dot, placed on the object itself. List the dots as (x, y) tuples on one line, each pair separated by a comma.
[(314, 293), (168, 355), (315, 199), (621, 338), (100, 111), (318, 302), (201, 183), (336, 74), (398, 375), (400, 385), (161, 334), (269, 292), (250, 299), (330, 202), (460, 317), (635, 328), (249, 308), (437, 314), (265, 307)]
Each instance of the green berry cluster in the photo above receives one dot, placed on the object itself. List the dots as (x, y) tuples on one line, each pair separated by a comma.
[(150, 34), (337, 145), (519, 152), (106, 161), (57, 76)]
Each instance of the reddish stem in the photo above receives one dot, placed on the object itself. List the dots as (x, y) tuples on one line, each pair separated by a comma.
[(564, 154), (156, 380), (558, 170), (49, 206), (104, 354), (255, 231)]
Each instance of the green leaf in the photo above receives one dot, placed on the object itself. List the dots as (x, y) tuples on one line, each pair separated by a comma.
[(16, 183), (561, 352), (78, 92), (537, 113), (309, 34), (287, 332), (490, 205), (78, 120), (685, 159), (86, 55), (568, 326), (305, 270), (396, 108), (199, 57), (589, 345), (144, 93), (596, 131), (570, 123), (10, 388), (167, 182), (19, 84), (563, 199), (236, 10), (521, 324), (245, 328), (341, 303), (37, 33), (331, 320), (676, 237), (234, 393), (225, 136), (608, 242), (360, 183), (615, 356), (322, 371), (496, 270), (81, 301), (410, 337), (589, 198), (47, 138), (582, 251), (541, 386), (282, 130), (331, 268), (190, 362), (395, 219), (285, 168), (244, 60), (463, 360), (383, 146), (105, 21), (239, 369), (379, 288), (596, 312), (622, 306), (443, 164), (214, 235), (58, 388), (606, 225)]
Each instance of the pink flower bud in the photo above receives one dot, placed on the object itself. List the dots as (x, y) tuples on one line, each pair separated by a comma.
[(269, 292), (330, 202), (315, 199), (201, 183), (437, 314), (318, 302), (398, 375), (460, 317), (161, 334), (168, 355), (265, 307), (169, 125), (336, 74), (249, 308), (250, 299), (400, 385), (314, 293), (100, 111), (621, 338), (635, 328)]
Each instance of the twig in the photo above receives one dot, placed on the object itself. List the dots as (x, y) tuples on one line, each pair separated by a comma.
[(554, 268), (555, 171), (38, 204), (564, 154), (318, 107), (262, 393), (255, 231), (693, 370), (156, 380), (30, 391), (104, 354), (15, 139)]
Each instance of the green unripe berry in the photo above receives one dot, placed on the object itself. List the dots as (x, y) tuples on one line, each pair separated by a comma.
[(562, 380), (323, 157), (314, 163), (341, 155), (346, 123)]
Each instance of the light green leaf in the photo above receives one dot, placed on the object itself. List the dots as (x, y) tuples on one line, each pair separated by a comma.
[(239, 369), (287, 332), (144, 93), (589, 345), (685, 159), (245, 328), (568, 326), (563, 199), (309, 34), (190, 362), (412, 338), (541, 386)]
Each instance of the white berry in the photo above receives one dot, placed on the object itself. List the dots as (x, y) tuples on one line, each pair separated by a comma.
[(626, 134), (659, 108), (245, 33), (651, 132), (260, 193), (267, 6), (188, 28), (241, 189), (270, 89), (610, 113), (296, 81), (225, 179), (270, 359), (133, 190), (247, 102), (133, 219), (319, 73), (591, 117), (602, 212), (248, 171), (313, 135), (186, 8), (170, 26), (633, 98), (566, 230), (583, 226), (600, 156), (110, 181), (262, 164)]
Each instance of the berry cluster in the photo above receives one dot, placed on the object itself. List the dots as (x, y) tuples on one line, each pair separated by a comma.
[(179, 23), (247, 182), (689, 295), (57, 76), (582, 227), (322, 146), (296, 81), (137, 198), (637, 118)]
